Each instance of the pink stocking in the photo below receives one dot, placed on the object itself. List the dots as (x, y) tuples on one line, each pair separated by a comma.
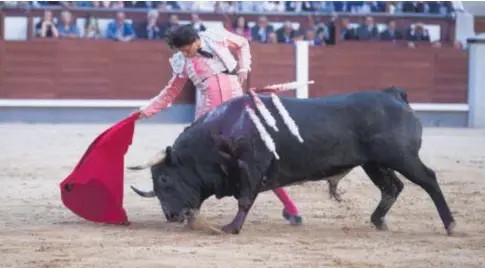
[(287, 202)]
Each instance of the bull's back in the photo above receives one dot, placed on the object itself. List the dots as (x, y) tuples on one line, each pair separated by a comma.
[(339, 129)]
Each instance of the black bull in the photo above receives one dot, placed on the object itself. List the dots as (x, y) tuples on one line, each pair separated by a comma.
[(223, 154)]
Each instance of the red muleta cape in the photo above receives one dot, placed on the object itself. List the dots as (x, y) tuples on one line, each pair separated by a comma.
[(94, 189)]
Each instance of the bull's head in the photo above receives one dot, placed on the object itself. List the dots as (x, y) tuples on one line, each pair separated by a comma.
[(173, 184)]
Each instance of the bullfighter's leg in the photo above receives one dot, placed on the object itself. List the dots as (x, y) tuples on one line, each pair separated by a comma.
[(248, 194), (413, 168), (290, 212), (390, 187)]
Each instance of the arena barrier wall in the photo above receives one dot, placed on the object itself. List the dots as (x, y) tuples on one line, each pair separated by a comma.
[(101, 81), (41, 80)]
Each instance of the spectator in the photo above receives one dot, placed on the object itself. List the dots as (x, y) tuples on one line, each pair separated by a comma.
[(324, 32), (91, 27), (240, 27), (391, 34), (172, 23), (347, 32), (312, 39), (46, 27), (197, 23), (297, 36), (273, 6), (142, 4), (286, 33), (417, 33), (150, 28), (67, 28), (119, 29), (372, 6), (260, 31), (329, 31), (249, 6), (204, 6), (390, 8), (368, 30), (118, 4), (272, 38)]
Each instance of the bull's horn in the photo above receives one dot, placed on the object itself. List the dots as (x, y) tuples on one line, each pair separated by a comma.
[(155, 160), (143, 193)]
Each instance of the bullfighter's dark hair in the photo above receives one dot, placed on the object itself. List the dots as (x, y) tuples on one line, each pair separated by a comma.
[(181, 36)]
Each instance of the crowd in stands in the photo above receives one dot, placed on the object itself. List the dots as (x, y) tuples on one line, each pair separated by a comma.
[(427, 7), (318, 33)]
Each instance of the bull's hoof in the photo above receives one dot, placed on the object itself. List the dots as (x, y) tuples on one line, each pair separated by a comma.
[(293, 219), (230, 229), (380, 225), (450, 228)]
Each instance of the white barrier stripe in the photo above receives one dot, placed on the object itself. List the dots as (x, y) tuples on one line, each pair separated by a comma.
[(72, 103)]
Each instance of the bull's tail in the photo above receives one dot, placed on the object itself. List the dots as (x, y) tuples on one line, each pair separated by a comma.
[(398, 93)]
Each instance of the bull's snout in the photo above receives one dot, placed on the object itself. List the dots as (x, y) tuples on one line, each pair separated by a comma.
[(176, 217)]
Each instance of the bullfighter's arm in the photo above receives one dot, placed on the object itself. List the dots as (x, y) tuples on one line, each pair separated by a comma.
[(170, 92), (241, 45)]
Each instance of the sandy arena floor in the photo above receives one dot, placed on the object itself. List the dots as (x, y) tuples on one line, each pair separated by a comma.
[(38, 231)]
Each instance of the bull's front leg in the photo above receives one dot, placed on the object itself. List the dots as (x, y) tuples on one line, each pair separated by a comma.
[(250, 184)]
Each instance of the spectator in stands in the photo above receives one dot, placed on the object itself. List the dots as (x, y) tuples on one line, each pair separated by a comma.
[(119, 29), (171, 24), (46, 27), (313, 39), (273, 6), (391, 33), (91, 27), (142, 4), (300, 6), (203, 6), (197, 23), (117, 4), (413, 7), (67, 27), (330, 30), (249, 6), (390, 7), (149, 29), (260, 31), (372, 6), (322, 31), (272, 38), (229, 6), (297, 36), (240, 27), (368, 30), (347, 32), (417, 33), (286, 33)]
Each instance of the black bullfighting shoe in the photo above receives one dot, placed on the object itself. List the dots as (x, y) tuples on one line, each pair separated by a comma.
[(293, 219)]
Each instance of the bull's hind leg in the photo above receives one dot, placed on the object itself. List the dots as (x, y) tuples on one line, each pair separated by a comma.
[(390, 187), (413, 168)]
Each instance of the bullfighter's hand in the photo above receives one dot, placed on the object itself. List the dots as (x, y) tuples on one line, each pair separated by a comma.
[(140, 113), (242, 76)]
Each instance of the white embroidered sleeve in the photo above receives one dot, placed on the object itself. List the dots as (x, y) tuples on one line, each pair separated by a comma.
[(241, 44), (170, 92)]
